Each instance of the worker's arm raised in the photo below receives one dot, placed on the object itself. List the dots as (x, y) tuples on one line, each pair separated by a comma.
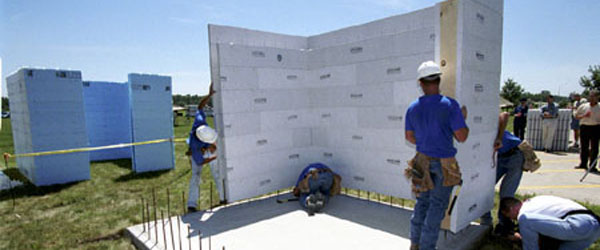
[(205, 100), (502, 121)]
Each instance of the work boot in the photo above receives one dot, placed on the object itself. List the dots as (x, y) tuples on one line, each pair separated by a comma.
[(414, 246), (191, 210), (311, 204), (320, 201), (486, 221)]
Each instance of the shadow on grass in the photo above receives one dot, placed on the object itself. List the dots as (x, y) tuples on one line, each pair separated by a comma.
[(124, 163), (138, 176), (28, 189)]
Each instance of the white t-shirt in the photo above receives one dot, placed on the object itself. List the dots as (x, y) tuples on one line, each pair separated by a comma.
[(549, 205), (594, 119)]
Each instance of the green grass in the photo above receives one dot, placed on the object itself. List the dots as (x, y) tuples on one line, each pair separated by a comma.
[(93, 214)]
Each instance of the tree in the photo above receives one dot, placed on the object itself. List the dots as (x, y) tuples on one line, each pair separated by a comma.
[(5, 104), (593, 81), (512, 91)]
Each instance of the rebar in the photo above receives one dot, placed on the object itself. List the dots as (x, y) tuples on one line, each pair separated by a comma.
[(168, 204), (162, 218), (183, 201), (172, 236), (148, 220), (189, 237), (179, 231), (155, 214), (143, 217)]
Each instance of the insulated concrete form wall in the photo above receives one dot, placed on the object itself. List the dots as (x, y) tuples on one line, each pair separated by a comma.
[(152, 118), (1, 89), (47, 114), (535, 131), (108, 118), (340, 98)]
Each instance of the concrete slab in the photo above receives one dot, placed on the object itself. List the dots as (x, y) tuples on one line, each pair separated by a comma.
[(346, 223), (558, 177)]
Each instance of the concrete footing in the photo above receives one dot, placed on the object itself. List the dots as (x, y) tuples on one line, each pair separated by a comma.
[(345, 223)]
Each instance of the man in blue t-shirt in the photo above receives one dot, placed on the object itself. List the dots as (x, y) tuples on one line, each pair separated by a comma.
[(198, 149), (510, 166), (432, 123), (520, 121)]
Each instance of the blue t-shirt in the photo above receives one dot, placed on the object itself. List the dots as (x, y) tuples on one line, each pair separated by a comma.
[(523, 111), (195, 144), (434, 118), (550, 108), (307, 169), (509, 141)]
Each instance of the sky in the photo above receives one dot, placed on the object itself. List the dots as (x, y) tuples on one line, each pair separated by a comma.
[(547, 44)]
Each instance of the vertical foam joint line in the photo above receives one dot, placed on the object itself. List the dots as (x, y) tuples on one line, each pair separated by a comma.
[(448, 62), (448, 48)]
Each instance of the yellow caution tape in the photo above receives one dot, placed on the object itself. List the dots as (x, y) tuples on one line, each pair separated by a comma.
[(87, 149)]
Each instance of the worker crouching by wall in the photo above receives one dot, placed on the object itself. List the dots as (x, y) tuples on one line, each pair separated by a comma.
[(315, 185)]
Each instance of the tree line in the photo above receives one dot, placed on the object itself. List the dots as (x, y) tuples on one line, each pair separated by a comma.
[(184, 100), (178, 100), (513, 92)]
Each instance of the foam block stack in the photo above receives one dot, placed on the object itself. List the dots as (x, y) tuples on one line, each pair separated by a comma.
[(340, 98), (534, 133), (152, 118), (1, 88), (47, 114), (108, 118)]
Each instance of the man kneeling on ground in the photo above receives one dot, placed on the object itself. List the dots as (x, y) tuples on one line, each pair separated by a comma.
[(545, 218), (315, 185)]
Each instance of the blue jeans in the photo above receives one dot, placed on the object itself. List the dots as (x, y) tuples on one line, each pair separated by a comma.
[(195, 181), (321, 184), (577, 231), (429, 210), (511, 167)]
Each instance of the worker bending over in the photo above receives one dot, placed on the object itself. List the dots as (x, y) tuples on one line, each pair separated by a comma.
[(315, 185)]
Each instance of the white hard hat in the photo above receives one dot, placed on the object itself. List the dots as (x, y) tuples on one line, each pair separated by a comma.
[(428, 68), (206, 134)]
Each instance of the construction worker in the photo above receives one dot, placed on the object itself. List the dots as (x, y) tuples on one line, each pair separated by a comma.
[(432, 121), (554, 222), (510, 166), (315, 185), (202, 146)]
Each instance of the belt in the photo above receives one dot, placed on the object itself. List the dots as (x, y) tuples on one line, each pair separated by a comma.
[(581, 211), (509, 152)]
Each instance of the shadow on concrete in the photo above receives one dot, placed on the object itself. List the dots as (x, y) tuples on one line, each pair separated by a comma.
[(226, 218), (559, 153), (378, 216)]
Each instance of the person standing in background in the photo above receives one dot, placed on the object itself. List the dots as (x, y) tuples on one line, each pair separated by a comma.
[(588, 115), (520, 121), (575, 122), (550, 117)]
